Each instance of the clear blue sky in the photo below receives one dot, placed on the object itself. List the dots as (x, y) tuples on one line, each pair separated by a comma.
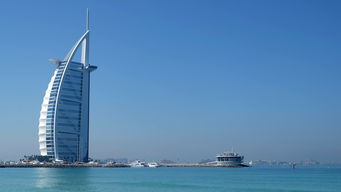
[(182, 80)]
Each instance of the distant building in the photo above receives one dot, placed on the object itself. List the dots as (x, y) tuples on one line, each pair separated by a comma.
[(229, 158), (64, 115), (116, 160), (206, 161), (310, 162), (166, 161)]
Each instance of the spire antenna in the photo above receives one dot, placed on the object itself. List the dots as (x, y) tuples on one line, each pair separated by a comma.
[(87, 19)]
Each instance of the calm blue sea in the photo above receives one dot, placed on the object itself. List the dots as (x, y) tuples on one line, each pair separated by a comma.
[(262, 179)]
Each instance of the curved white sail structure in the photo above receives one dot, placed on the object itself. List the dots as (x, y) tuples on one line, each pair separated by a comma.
[(64, 115)]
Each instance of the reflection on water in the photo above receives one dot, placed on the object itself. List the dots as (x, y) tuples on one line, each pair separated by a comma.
[(63, 179)]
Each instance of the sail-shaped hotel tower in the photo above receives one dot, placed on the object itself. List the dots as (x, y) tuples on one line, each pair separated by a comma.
[(64, 115)]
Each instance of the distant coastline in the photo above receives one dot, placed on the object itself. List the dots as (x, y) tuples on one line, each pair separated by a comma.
[(88, 165)]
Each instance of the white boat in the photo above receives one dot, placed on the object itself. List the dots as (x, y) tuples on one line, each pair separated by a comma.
[(137, 164), (153, 164)]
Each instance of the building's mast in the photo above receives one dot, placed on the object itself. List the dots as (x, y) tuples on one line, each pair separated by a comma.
[(85, 43), (87, 19)]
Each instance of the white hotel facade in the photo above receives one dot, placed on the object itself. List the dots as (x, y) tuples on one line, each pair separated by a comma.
[(64, 115)]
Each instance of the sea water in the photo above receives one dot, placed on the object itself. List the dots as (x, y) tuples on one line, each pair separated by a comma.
[(199, 179)]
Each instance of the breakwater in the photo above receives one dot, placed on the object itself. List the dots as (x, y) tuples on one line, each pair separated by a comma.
[(57, 165), (200, 165), (83, 165)]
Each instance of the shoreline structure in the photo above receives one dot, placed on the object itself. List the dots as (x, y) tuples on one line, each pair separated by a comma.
[(108, 165)]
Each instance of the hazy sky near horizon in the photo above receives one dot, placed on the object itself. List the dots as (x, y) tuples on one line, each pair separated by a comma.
[(182, 80)]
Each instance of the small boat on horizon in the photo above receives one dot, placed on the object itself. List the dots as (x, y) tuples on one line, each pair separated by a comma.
[(153, 164), (137, 164)]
